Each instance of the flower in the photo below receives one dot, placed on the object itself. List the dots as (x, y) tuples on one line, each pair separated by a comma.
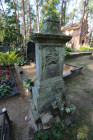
[(6, 68), (7, 71), (0, 75), (7, 76)]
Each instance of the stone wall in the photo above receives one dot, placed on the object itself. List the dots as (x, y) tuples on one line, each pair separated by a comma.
[(75, 38)]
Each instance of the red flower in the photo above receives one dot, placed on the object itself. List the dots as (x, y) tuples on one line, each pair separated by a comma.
[(0, 75), (6, 68), (7, 71), (7, 76)]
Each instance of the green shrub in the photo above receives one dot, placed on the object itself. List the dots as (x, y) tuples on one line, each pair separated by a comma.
[(21, 63), (66, 53), (68, 49), (85, 48), (57, 131), (27, 84), (5, 90), (7, 59), (41, 135)]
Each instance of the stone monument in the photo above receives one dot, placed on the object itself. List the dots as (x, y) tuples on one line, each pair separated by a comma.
[(49, 86), (5, 47), (30, 51)]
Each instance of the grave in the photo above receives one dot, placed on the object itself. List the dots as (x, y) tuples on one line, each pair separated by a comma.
[(5, 48), (30, 51), (49, 89)]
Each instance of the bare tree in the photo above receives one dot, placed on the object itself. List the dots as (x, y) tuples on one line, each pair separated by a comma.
[(82, 17), (74, 11), (65, 7), (23, 13), (29, 17), (2, 18), (6, 20), (17, 24), (61, 13), (37, 13)]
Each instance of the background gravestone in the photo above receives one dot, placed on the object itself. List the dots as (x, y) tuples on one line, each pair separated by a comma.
[(30, 51), (5, 48)]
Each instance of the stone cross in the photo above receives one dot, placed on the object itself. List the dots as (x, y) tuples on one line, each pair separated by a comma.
[(50, 51)]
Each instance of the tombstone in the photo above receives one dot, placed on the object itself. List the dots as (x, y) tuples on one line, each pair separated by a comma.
[(30, 51), (49, 87), (5, 48)]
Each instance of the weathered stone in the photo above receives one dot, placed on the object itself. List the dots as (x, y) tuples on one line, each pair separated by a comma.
[(58, 119), (5, 48), (46, 117), (50, 51), (69, 120), (30, 52), (46, 126), (40, 127)]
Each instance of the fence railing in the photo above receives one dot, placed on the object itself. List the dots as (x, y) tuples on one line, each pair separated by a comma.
[(5, 125)]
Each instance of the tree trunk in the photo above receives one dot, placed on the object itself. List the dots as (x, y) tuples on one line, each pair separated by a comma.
[(37, 13), (82, 17), (61, 14), (2, 18), (6, 21), (23, 13), (65, 4), (74, 11), (29, 18), (17, 24)]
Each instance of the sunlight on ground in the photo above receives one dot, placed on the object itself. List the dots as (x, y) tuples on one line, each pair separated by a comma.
[(92, 116), (83, 131), (90, 67)]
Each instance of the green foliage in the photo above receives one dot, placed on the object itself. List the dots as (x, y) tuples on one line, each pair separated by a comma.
[(21, 63), (50, 8), (27, 84), (8, 59), (57, 132), (85, 48), (69, 108), (68, 49), (5, 90), (66, 53), (41, 136)]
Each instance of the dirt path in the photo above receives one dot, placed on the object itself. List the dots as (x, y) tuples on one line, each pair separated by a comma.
[(17, 107)]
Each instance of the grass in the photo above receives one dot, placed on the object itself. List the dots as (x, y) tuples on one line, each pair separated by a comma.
[(89, 91), (82, 129)]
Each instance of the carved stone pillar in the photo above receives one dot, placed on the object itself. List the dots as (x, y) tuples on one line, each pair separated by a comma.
[(50, 51)]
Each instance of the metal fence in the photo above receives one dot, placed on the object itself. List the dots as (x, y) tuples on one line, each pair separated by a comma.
[(5, 125)]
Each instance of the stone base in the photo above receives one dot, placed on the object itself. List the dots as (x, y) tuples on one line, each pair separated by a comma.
[(47, 119), (48, 92)]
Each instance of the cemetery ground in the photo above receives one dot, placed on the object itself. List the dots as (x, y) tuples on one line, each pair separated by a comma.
[(80, 93)]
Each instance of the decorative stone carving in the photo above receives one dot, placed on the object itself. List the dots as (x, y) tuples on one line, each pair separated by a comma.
[(52, 56)]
